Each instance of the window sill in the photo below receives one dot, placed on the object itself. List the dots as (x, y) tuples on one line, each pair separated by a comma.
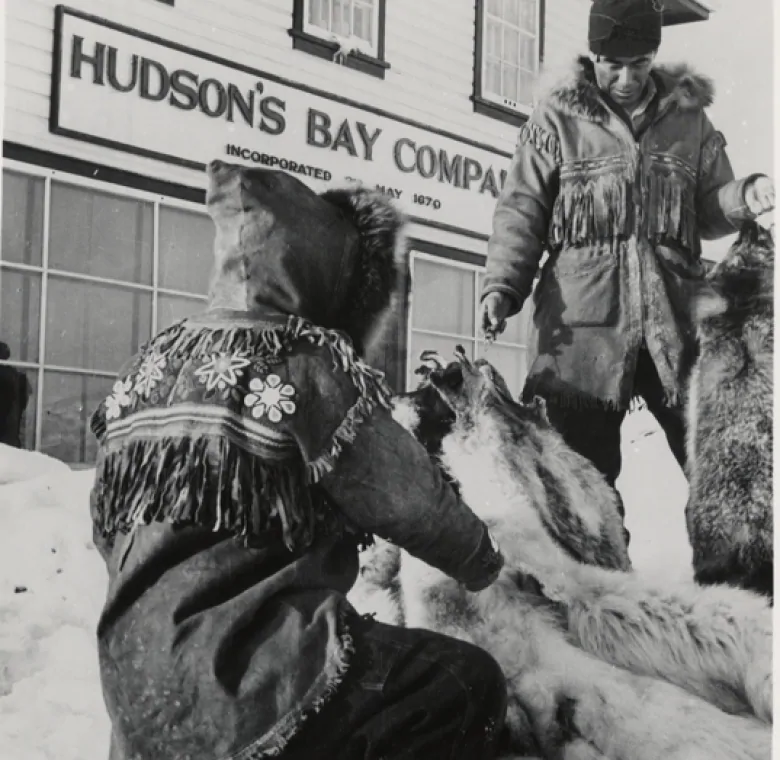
[(327, 49), (499, 112)]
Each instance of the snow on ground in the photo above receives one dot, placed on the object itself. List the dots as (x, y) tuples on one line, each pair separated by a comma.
[(52, 584)]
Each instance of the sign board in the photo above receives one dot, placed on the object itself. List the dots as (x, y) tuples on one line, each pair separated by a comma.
[(130, 91)]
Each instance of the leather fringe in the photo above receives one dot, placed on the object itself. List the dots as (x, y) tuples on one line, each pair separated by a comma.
[(591, 211), (671, 209), (594, 210)]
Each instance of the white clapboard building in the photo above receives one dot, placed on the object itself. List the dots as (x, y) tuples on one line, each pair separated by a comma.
[(113, 107)]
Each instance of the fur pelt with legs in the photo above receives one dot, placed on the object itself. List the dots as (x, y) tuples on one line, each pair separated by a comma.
[(624, 696), (730, 399)]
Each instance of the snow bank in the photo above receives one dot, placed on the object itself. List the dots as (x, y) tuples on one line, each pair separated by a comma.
[(52, 585)]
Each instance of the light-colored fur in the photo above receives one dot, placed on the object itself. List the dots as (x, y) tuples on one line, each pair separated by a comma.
[(683, 652)]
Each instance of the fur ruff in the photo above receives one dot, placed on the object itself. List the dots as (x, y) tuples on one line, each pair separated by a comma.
[(691, 663), (380, 261), (575, 93)]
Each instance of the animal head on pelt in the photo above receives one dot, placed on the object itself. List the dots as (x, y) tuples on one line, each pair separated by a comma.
[(463, 412), (737, 298)]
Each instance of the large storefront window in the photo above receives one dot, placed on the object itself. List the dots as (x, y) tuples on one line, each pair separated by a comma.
[(88, 273), (445, 313)]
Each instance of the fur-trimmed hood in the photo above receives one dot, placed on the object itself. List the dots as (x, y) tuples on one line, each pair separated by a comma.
[(281, 249), (576, 93)]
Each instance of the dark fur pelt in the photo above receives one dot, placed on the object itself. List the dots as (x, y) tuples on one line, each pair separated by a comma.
[(730, 441)]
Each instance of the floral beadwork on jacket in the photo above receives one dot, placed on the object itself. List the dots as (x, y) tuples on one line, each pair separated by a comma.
[(194, 431)]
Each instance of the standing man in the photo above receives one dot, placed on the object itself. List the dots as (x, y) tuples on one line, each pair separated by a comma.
[(14, 394), (618, 174)]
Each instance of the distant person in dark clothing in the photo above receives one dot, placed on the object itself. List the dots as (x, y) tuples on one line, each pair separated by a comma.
[(14, 394)]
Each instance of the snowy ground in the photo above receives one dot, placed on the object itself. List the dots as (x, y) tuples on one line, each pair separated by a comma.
[(52, 583)]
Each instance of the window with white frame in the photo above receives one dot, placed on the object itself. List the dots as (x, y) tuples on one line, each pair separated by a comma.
[(510, 33), (444, 313), (88, 273), (353, 23)]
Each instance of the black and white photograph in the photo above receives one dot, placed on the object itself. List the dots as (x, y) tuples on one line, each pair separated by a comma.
[(387, 379)]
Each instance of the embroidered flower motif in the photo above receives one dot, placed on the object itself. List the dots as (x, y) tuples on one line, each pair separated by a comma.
[(271, 397), (149, 374), (119, 399), (222, 370)]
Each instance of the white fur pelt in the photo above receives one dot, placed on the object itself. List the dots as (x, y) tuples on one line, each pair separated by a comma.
[(605, 664)]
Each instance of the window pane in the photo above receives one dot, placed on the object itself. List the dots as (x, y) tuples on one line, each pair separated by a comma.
[(28, 416), (527, 53), (100, 234), (493, 39), (509, 89), (22, 239), (496, 8), (94, 326), (171, 309), (364, 21), (511, 362), (511, 11), (17, 406), (493, 76), (341, 16), (20, 313), (186, 250), (319, 13), (525, 87), (443, 298), (511, 46), (528, 16), (445, 346), (68, 403)]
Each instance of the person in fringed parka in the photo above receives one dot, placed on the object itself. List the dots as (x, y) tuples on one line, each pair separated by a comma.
[(244, 456), (618, 175)]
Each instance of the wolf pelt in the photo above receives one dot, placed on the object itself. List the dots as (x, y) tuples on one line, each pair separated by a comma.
[(729, 412), (580, 706)]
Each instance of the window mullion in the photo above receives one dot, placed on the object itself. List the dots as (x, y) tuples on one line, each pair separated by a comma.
[(155, 263), (44, 308)]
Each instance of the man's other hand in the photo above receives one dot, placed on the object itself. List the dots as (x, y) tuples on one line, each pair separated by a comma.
[(495, 310)]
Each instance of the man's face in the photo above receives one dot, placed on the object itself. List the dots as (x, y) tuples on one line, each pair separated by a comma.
[(624, 79)]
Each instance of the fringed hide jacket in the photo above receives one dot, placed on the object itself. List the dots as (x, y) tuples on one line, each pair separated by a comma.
[(621, 215), (244, 455)]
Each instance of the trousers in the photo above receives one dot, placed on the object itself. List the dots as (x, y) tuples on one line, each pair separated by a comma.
[(594, 432)]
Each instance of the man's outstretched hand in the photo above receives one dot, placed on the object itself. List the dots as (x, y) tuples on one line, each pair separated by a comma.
[(495, 310), (760, 195)]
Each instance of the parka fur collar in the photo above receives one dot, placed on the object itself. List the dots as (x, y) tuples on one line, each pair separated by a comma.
[(576, 94)]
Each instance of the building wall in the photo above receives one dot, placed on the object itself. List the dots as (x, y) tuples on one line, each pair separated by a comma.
[(431, 59), (72, 308)]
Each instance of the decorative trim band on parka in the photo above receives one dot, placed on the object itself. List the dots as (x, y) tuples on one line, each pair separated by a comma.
[(195, 433), (621, 212)]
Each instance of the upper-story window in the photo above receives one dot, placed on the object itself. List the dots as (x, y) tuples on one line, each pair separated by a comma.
[(508, 52), (350, 32)]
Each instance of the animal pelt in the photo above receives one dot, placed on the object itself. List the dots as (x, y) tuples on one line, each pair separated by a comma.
[(580, 705), (730, 441)]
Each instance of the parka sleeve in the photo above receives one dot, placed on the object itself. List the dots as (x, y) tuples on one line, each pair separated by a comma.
[(720, 199), (384, 483), (522, 217)]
